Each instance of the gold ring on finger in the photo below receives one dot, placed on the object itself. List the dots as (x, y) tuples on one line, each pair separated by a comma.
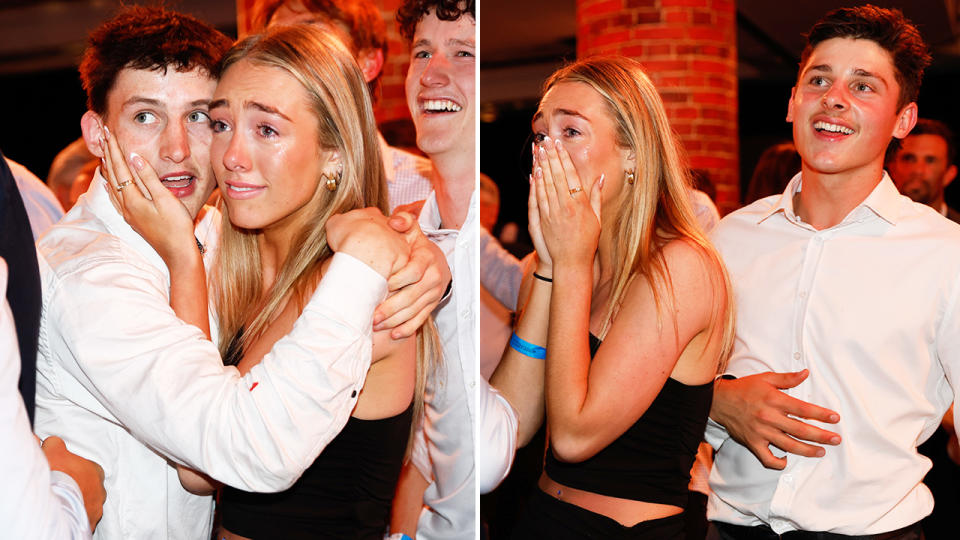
[(123, 184), (575, 190)]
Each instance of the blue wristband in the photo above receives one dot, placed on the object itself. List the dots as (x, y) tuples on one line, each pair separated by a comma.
[(405, 537), (526, 348)]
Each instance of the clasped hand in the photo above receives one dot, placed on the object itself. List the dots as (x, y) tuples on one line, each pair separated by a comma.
[(416, 270)]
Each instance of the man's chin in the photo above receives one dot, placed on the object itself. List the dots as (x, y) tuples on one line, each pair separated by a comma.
[(921, 197), (194, 203)]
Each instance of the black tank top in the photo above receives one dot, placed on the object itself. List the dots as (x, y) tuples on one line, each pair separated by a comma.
[(345, 494), (651, 461)]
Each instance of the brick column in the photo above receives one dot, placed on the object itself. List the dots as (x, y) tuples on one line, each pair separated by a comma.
[(688, 48)]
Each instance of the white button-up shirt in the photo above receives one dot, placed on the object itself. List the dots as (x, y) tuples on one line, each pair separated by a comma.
[(497, 435), (35, 502), (130, 386), (408, 175), (870, 307), (43, 208), (444, 445)]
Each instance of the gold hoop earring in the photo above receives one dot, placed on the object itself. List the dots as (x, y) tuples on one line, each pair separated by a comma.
[(331, 181), (630, 176)]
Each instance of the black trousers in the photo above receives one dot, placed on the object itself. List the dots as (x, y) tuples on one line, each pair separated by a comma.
[(550, 518), (729, 531)]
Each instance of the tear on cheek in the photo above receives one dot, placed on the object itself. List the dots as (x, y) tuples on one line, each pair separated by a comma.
[(583, 156)]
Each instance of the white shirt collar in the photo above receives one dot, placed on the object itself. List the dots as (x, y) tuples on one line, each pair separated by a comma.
[(885, 201)]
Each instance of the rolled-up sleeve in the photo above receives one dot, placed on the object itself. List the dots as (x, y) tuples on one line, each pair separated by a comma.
[(715, 434)]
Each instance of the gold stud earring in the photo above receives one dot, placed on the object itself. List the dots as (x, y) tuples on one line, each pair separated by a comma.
[(630, 177)]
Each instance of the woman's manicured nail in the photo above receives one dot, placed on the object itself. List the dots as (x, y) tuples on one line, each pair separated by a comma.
[(137, 161)]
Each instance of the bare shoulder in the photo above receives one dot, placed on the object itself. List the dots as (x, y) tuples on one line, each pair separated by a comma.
[(688, 262), (690, 291)]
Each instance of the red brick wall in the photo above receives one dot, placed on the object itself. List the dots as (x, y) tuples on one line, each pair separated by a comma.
[(392, 105), (688, 48)]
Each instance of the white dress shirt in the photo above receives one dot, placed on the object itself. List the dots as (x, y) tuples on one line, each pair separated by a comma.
[(43, 208), (500, 272), (444, 445), (35, 502), (130, 386), (497, 436), (408, 175), (870, 307)]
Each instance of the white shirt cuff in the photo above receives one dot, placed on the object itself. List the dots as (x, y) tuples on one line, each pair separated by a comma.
[(715, 434)]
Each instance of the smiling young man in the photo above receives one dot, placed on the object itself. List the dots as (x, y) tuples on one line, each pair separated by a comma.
[(438, 485), (834, 310), (120, 377)]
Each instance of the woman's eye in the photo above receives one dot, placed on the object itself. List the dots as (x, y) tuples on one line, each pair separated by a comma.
[(218, 126), (570, 132), (266, 131), (145, 118)]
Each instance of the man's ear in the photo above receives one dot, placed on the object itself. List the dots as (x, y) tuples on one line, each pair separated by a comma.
[(906, 119), (949, 175), (371, 63), (793, 93), (92, 127)]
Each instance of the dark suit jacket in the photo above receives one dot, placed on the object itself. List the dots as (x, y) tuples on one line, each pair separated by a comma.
[(23, 285)]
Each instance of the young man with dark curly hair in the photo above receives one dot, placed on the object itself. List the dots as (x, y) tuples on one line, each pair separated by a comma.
[(436, 497)]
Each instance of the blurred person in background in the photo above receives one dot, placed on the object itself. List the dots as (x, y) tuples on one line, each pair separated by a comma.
[(776, 167)]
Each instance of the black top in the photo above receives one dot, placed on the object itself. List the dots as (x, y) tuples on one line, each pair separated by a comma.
[(344, 495), (651, 461), (23, 280)]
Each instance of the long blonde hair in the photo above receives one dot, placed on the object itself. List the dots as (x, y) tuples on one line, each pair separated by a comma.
[(339, 97), (655, 209)]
